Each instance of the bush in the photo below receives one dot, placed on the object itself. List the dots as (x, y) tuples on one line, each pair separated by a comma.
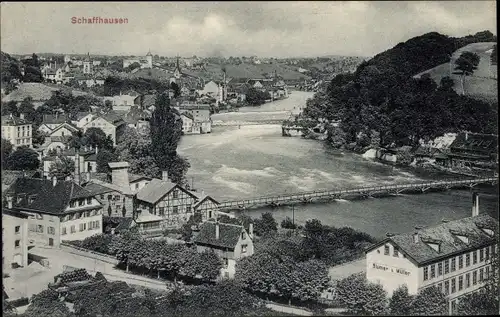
[(287, 223)]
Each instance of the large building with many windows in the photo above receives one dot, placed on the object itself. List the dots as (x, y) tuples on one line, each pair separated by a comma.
[(17, 130), (57, 210), (454, 256)]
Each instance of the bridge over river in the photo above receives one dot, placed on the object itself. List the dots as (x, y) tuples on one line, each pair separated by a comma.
[(361, 192)]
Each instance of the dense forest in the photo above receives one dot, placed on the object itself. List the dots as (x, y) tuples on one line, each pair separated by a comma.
[(382, 105)]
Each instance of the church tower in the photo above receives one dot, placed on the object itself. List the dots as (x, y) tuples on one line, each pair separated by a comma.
[(87, 66), (177, 71), (149, 59)]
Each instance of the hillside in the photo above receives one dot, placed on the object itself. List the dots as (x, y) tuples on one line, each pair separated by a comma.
[(247, 71), (382, 104), (482, 84), (10, 68)]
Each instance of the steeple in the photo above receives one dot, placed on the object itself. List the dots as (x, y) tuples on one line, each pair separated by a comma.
[(177, 63), (149, 53)]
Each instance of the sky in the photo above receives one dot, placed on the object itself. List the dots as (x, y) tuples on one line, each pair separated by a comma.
[(265, 29)]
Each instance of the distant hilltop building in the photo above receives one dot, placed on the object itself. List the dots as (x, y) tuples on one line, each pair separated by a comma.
[(144, 62)]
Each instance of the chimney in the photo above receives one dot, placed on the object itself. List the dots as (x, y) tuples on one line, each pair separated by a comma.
[(119, 173), (466, 135), (250, 230), (54, 181), (9, 201), (96, 150), (164, 176), (217, 233), (77, 167), (475, 204), (415, 237), (202, 193)]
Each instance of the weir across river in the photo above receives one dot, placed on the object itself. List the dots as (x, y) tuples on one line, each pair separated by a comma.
[(361, 192)]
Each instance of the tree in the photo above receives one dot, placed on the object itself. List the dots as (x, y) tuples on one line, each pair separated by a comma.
[(360, 296), (165, 132), (105, 156), (480, 303), (266, 224), (96, 137), (176, 89), (10, 108), (23, 158), (466, 64), (287, 223), (6, 151), (400, 302), (47, 303), (429, 301), (256, 97), (62, 168), (108, 106)]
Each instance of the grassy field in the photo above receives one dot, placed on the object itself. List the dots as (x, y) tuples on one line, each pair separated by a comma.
[(482, 84), (246, 71)]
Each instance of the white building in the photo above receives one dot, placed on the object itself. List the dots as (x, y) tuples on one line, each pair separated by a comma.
[(144, 62), (17, 131), (14, 238), (453, 256)]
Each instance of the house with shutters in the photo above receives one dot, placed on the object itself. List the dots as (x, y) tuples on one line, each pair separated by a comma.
[(205, 205), (230, 242), (57, 210)]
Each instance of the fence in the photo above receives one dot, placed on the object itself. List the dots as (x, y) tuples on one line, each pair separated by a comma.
[(89, 254)]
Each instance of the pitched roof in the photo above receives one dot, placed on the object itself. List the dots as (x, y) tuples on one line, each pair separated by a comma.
[(113, 118), (444, 235), (229, 235), (482, 143), (125, 190), (145, 101), (135, 177), (67, 125), (9, 177), (155, 190), (49, 199), (96, 189), (147, 217), (80, 115), (55, 118), (13, 120), (188, 115)]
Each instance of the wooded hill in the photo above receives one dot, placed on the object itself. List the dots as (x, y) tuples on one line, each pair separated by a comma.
[(381, 104)]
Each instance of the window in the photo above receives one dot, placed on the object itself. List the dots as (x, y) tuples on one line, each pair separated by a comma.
[(440, 287), (395, 253), (453, 285), (102, 197), (433, 271), (447, 288), (446, 267), (18, 229), (110, 197), (137, 186), (17, 243), (97, 224), (226, 263), (117, 197), (481, 274), (474, 278), (83, 226), (467, 280), (188, 209), (453, 265), (81, 202), (460, 262), (487, 272), (467, 260), (89, 200), (73, 230), (244, 248), (426, 273), (63, 231), (460, 282), (162, 211), (39, 229), (87, 214), (51, 230), (175, 209), (440, 269), (481, 255), (386, 250), (90, 225), (487, 253), (243, 236), (474, 257)]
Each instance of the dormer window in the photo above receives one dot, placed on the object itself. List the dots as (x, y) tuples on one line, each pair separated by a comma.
[(488, 231), (435, 246), (72, 204), (243, 235)]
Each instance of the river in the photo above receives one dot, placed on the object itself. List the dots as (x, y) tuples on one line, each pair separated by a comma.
[(234, 163)]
